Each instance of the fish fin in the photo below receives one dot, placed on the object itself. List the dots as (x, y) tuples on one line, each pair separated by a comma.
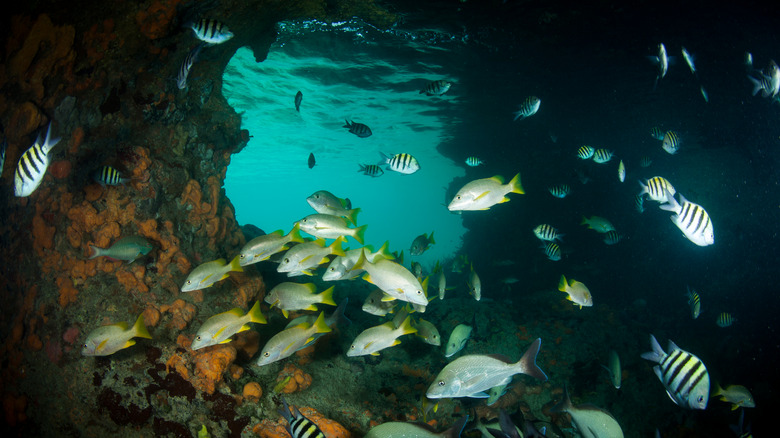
[(406, 326), (236, 311), (139, 328), (101, 345), (95, 252), (327, 296), (255, 315), (562, 284), (352, 215), (498, 178), (657, 354), (482, 195), (295, 234), (311, 307), (431, 241), (386, 298), (243, 328), (122, 325), (395, 342), (320, 326), (227, 341), (479, 395), (527, 363), (235, 264), (734, 406), (129, 343), (565, 404), (376, 353), (360, 234), (335, 247), (515, 185), (285, 313)]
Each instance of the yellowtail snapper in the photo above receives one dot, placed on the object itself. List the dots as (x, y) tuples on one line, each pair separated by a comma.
[(186, 66), (585, 152), (109, 176), (725, 319), (474, 161), (671, 142), (436, 88), (694, 301), (298, 100), (401, 163), (683, 375), (109, 339), (371, 170), (358, 129), (528, 108), (211, 31), (560, 190), (33, 164)]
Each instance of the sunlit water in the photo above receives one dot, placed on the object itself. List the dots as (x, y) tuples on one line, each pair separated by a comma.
[(344, 76)]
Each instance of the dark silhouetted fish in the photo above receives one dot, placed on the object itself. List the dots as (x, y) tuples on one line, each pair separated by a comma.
[(358, 129), (436, 88), (312, 161), (298, 100)]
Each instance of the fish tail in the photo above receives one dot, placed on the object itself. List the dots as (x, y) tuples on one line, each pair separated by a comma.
[(335, 247), (235, 264), (430, 239), (95, 252), (139, 328), (319, 325), (457, 427), (384, 251), (352, 215), (657, 354), (562, 284), (528, 362), (406, 326), (360, 234), (347, 125), (516, 185), (295, 234), (339, 315), (565, 404), (255, 315), (49, 143), (327, 296)]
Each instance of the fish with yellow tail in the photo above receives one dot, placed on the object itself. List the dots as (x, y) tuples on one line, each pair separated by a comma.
[(397, 282), (591, 420), (305, 258), (683, 375), (285, 343), (109, 339), (737, 395), (263, 247), (328, 226), (375, 339), (598, 224), (219, 328), (325, 202), (206, 274), (579, 294), (421, 243), (484, 193), (289, 296), (474, 374), (417, 430)]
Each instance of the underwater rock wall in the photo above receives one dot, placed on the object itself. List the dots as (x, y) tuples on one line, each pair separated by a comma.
[(105, 75)]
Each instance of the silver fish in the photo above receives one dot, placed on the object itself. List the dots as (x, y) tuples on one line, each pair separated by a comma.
[(33, 164), (186, 66), (528, 108), (683, 375), (211, 31)]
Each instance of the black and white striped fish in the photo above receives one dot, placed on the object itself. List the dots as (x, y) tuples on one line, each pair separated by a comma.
[(671, 142), (358, 129), (602, 155), (401, 163), (528, 108), (436, 88), (547, 233), (33, 164), (108, 176), (656, 188), (473, 161), (639, 203), (612, 237), (692, 219), (371, 170), (560, 190), (585, 152), (186, 65), (684, 375), (724, 320), (299, 426), (211, 31), (552, 251), (656, 133)]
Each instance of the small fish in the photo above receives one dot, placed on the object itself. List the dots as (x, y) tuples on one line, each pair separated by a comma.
[(289, 296), (579, 294), (639, 203), (724, 320), (475, 285), (394, 279), (328, 226), (688, 60), (398, 429), (401, 163), (219, 328), (358, 129), (768, 84), (683, 375), (737, 395), (373, 340), (263, 247), (484, 193), (559, 190), (206, 274), (552, 250), (285, 343), (602, 155), (692, 219), (186, 66), (656, 188), (109, 339), (127, 249), (299, 426), (305, 258), (421, 243), (694, 301), (326, 202), (312, 160), (442, 281), (417, 269), (427, 332), (621, 171), (646, 161), (33, 164), (108, 176), (548, 233), (614, 370), (376, 306), (298, 100), (657, 133), (596, 421), (460, 262), (436, 88), (671, 142), (612, 237), (598, 224), (585, 152), (704, 94), (471, 375), (662, 62), (458, 338), (371, 170), (474, 161), (528, 108), (211, 31)]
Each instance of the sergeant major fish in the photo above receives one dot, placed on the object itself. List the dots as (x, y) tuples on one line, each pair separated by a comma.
[(372, 170), (560, 190), (33, 164), (109, 339), (127, 249), (484, 193), (547, 233), (585, 152), (474, 162), (552, 250), (299, 426), (692, 219), (359, 129), (401, 163), (109, 176), (211, 31), (694, 302), (656, 188), (683, 375), (528, 108), (219, 328), (602, 155), (436, 88), (186, 66), (671, 142)]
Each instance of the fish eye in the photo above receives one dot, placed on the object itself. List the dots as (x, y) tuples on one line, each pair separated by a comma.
[(419, 292), (287, 260), (351, 347), (189, 281), (198, 338), (242, 256), (441, 382), (457, 197), (267, 354)]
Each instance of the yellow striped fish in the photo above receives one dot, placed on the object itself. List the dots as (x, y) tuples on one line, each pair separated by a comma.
[(33, 164), (547, 232), (684, 375), (108, 176), (692, 219), (585, 152), (602, 155), (694, 300), (671, 142), (656, 188), (725, 319)]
